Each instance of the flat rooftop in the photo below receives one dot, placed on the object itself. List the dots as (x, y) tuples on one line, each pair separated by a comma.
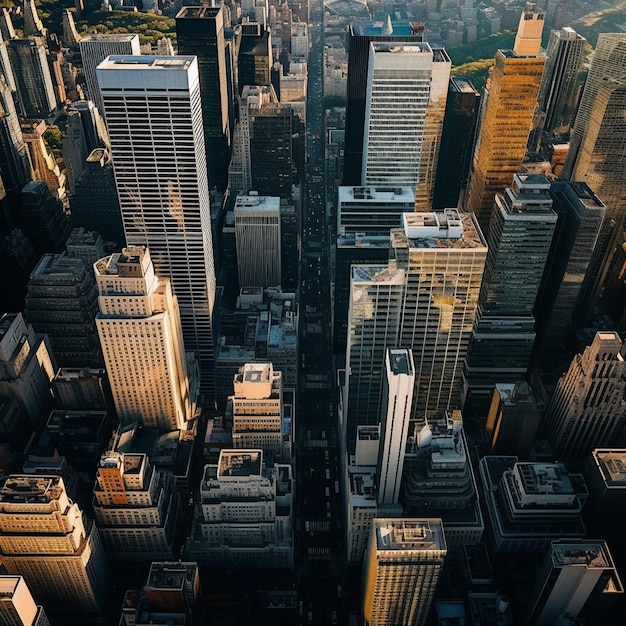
[(612, 465), (409, 534), (108, 37), (400, 362), (146, 62), (591, 554), (198, 13), (240, 463), (257, 372), (402, 195), (31, 489)]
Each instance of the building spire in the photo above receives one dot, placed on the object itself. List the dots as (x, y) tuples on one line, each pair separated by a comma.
[(388, 28)]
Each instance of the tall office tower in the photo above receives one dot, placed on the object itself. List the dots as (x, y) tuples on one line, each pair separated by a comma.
[(513, 420), (140, 334), (17, 607), (6, 25), (77, 389), (15, 168), (258, 413), (587, 410), (254, 55), (528, 505), (456, 142), (262, 148), (397, 398), (372, 210), (136, 508), (560, 85), (246, 514), (401, 570), (70, 34), (577, 578), (44, 165), (97, 47), (571, 269), (359, 482), (425, 300), (165, 205), (599, 130), (86, 245), (171, 594), (511, 95), (54, 547), (62, 302), (358, 62), (439, 480), (32, 22), (289, 243), (605, 476), (200, 32), (95, 204), (258, 240), (407, 87), (35, 91), (5, 65), (43, 218), (26, 367), (520, 233), (84, 132)]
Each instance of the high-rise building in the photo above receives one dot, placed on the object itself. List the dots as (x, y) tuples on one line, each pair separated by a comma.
[(361, 35), (456, 142), (17, 607), (43, 163), (513, 419), (35, 91), (587, 408), (62, 302), (15, 168), (528, 505), (258, 415), (425, 300), (32, 21), (253, 54), (95, 204), (258, 240), (372, 210), (200, 32), (165, 204), (407, 88), (136, 508), (26, 367), (599, 129), (139, 329), (397, 400), (97, 47), (246, 514), (401, 570), (520, 233), (560, 85), (571, 268), (54, 547), (262, 146), (43, 218), (78, 389), (85, 245), (511, 94), (575, 579)]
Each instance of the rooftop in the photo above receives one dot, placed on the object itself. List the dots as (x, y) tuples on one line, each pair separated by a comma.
[(240, 463), (612, 465), (591, 554), (204, 12), (168, 575), (409, 534), (400, 362), (146, 62), (31, 489)]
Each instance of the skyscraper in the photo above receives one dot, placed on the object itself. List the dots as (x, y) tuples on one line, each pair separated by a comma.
[(35, 91), (560, 83), (511, 94), (258, 240), (54, 547), (17, 607), (97, 47), (358, 59), (587, 409), (565, 294), (425, 300), (401, 570), (200, 32), (520, 233), (407, 87), (164, 202), (595, 155), (397, 399), (573, 577), (139, 329), (253, 54)]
